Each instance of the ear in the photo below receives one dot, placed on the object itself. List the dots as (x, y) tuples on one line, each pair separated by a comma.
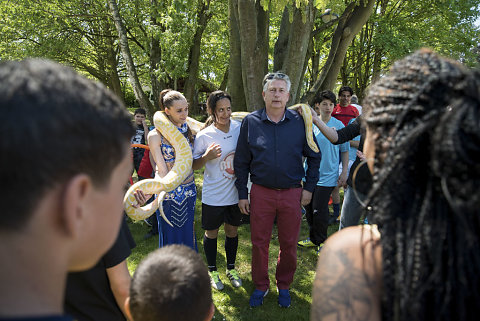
[(74, 203), (263, 95), (210, 313), (126, 305)]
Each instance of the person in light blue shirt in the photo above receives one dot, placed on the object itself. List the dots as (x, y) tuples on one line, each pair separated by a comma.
[(352, 151), (317, 211)]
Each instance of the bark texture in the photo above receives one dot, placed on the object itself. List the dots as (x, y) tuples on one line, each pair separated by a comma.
[(253, 29), (350, 23), (203, 16), (142, 99)]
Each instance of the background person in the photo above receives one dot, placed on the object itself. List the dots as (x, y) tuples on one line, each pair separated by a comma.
[(317, 211), (422, 145), (359, 181), (63, 205), (345, 112), (215, 149), (140, 137), (100, 292), (354, 103), (179, 204), (270, 147)]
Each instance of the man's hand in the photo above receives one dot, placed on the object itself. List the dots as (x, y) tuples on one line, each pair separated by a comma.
[(342, 179), (306, 197), (244, 206)]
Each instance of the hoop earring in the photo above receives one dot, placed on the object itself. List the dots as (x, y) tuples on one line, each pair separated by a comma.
[(362, 163)]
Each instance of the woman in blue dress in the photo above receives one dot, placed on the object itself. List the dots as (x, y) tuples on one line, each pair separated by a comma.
[(179, 204)]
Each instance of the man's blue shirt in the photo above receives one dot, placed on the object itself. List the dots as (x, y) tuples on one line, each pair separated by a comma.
[(272, 153)]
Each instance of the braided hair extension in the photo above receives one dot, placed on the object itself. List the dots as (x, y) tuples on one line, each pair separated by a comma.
[(425, 197), (167, 97)]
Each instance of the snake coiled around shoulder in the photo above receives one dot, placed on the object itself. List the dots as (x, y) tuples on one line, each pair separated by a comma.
[(160, 186), (183, 163)]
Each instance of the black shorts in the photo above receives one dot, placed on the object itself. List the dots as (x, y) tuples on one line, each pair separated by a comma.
[(214, 216)]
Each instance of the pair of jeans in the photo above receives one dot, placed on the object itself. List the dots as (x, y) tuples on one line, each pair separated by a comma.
[(352, 209)]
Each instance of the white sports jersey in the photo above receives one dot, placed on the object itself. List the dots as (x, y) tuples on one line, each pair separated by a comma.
[(219, 178)]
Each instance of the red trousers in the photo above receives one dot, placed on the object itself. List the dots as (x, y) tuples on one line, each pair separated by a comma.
[(265, 204)]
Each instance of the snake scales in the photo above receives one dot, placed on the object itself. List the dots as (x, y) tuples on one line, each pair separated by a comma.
[(183, 164)]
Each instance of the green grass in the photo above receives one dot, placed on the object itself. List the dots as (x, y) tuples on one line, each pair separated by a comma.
[(232, 303)]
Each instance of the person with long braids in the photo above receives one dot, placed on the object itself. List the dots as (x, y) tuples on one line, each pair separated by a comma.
[(215, 148), (423, 147), (179, 204)]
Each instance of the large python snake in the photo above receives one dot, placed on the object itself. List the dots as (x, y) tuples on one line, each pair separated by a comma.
[(183, 162)]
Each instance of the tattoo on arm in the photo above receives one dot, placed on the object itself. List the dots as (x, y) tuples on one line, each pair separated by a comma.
[(342, 289)]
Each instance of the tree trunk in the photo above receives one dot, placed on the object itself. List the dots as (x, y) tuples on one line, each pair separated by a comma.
[(253, 29), (125, 49), (155, 56), (299, 38), (203, 16), (281, 45), (378, 54), (235, 79), (113, 79), (223, 84), (351, 22)]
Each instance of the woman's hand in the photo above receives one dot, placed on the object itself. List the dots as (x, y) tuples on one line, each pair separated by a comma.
[(213, 151), (141, 198)]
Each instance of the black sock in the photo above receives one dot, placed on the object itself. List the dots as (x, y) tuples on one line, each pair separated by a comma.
[(336, 210), (231, 245), (210, 248)]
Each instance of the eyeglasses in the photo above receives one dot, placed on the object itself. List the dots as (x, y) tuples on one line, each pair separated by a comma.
[(275, 75)]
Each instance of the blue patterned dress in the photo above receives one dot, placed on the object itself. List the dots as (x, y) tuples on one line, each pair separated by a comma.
[(178, 205)]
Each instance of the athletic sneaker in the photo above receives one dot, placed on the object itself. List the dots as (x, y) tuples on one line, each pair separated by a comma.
[(306, 243), (234, 278), (256, 299), (332, 219), (319, 248), (284, 299), (215, 281)]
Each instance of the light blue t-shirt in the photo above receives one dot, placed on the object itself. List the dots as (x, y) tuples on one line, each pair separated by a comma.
[(352, 151), (330, 155)]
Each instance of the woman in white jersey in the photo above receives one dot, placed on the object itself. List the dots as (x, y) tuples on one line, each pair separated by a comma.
[(215, 148)]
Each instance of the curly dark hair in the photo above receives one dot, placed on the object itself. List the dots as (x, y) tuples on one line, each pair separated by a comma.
[(425, 197)]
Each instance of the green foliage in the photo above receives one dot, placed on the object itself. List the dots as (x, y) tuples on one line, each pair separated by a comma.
[(81, 33), (215, 44)]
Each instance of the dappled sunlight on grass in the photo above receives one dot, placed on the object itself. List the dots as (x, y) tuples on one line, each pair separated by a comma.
[(232, 303)]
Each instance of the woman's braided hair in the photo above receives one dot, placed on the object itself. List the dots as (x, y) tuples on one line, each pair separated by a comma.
[(426, 196)]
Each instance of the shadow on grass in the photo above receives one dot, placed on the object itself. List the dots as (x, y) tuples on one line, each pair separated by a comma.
[(233, 303)]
